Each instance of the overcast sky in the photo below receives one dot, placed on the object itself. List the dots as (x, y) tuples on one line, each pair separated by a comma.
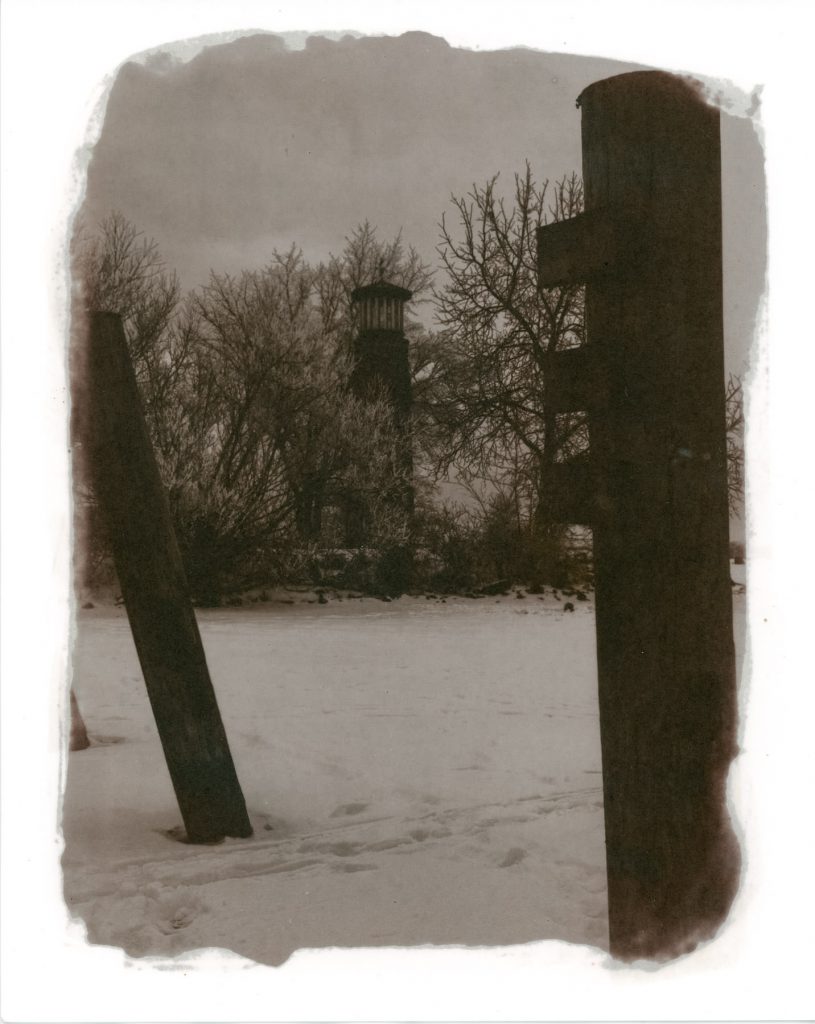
[(254, 144)]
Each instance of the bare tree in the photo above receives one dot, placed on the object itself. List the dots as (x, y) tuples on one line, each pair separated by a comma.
[(264, 375), (285, 436), (364, 260), (246, 389), (734, 412), (499, 332), (117, 269)]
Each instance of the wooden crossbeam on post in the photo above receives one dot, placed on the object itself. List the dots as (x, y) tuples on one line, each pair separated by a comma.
[(593, 244), (649, 250), (131, 498)]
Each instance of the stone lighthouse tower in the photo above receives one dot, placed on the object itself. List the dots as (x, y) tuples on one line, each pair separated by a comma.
[(381, 369), (380, 347)]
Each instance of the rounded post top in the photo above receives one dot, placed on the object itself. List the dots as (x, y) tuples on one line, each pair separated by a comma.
[(659, 85)]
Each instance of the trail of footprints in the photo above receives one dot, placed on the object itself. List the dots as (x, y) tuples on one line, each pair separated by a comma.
[(332, 848), (166, 894)]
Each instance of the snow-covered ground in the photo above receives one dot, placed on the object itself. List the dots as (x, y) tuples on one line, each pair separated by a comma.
[(416, 772)]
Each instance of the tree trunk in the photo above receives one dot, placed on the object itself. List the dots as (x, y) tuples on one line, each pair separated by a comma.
[(309, 514), (547, 532)]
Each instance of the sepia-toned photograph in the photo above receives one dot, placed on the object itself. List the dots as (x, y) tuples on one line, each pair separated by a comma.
[(407, 433), (412, 403)]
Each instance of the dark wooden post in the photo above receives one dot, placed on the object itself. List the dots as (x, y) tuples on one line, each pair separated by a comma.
[(654, 489), (133, 504)]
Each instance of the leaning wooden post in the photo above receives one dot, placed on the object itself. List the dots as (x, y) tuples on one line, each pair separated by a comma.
[(128, 488), (78, 738), (654, 490)]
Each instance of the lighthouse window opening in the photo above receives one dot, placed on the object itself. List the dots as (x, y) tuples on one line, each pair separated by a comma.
[(382, 312)]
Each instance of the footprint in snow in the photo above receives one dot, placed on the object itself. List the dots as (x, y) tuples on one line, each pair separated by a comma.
[(386, 844), (348, 869), (348, 809), (175, 909), (339, 849), (513, 857), (106, 741)]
